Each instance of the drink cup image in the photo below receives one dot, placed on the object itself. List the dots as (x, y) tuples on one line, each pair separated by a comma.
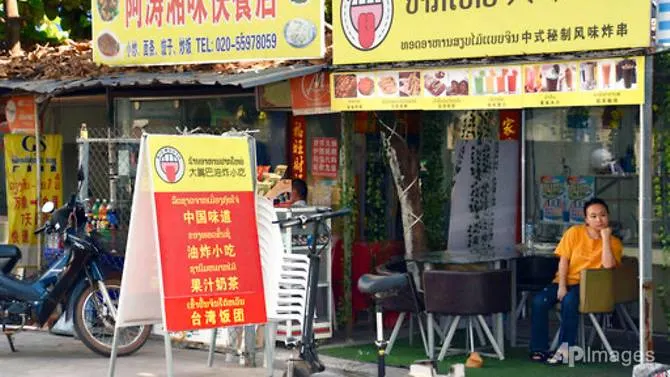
[(607, 72), (511, 81), (479, 84), (628, 72), (568, 78), (551, 74)]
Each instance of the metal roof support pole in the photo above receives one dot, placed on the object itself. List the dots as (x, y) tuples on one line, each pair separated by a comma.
[(38, 180), (645, 195)]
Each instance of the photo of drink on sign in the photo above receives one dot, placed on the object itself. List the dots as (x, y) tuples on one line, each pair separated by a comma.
[(550, 78), (496, 80), (616, 74)]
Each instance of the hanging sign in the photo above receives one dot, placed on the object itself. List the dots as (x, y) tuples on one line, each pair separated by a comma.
[(310, 94), (145, 32), (616, 81), (21, 114), (193, 258), (389, 31), (21, 186), (298, 145)]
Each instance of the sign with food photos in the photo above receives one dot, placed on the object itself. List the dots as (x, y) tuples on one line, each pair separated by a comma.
[(374, 31), (600, 82), (163, 32)]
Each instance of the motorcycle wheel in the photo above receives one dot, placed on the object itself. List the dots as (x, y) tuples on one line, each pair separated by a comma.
[(94, 323)]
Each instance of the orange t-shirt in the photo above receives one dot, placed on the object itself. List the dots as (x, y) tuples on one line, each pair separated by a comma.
[(583, 252)]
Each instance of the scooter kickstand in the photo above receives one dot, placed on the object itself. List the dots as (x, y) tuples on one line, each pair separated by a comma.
[(11, 342)]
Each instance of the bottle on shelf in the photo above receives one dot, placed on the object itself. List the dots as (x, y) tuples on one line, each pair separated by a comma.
[(102, 215)]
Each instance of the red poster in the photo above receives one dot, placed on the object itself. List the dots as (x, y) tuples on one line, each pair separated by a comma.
[(311, 94), (298, 139), (325, 157), (510, 125)]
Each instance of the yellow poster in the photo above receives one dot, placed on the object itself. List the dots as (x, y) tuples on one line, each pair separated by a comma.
[(151, 32), (413, 30), (20, 170), (614, 81), (200, 164)]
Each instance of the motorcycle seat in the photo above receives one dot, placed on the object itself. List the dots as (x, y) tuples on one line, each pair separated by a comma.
[(9, 257), (372, 284)]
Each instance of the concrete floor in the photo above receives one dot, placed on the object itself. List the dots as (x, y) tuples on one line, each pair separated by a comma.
[(42, 354)]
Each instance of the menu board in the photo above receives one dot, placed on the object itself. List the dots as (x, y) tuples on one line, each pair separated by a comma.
[(617, 81)]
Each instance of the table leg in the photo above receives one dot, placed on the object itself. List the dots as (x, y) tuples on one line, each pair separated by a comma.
[(512, 319), (499, 320)]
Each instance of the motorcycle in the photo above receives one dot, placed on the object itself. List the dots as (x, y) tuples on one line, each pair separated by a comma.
[(75, 283)]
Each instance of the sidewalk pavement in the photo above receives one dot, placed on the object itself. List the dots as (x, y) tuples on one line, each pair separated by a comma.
[(41, 354)]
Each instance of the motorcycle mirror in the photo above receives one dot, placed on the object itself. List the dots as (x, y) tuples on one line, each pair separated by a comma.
[(48, 207)]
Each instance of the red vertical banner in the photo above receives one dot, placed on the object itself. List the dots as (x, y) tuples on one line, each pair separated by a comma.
[(298, 140), (325, 157), (510, 125)]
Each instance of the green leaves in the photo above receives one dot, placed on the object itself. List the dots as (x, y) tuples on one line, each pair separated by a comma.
[(434, 192)]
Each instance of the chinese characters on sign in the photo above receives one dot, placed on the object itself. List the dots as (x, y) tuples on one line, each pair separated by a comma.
[(615, 81), (325, 154), (510, 125), (298, 144), (132, 32), (20, 170), (205, 212), (451, 29)]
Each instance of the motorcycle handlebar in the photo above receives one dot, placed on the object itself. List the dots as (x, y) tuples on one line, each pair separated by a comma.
[(305, 219)]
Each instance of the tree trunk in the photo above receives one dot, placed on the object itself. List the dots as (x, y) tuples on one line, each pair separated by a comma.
[(405, 170), (13, 27)]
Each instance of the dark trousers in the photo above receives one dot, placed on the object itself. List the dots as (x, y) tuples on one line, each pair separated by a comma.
[(543, 302)]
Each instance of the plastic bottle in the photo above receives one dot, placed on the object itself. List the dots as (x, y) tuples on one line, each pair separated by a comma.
[(102, 215), (94, 214)]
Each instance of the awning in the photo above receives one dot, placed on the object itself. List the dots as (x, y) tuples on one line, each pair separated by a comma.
[(245, 80)]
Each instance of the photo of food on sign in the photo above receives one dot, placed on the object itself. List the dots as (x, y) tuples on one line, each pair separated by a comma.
[(108, 45), (496, 80), (551, 78), (388, 84), (616, 74), (366, 85), (299, 33), (446, 82), (345, 86), (108, 9), (410, 84)]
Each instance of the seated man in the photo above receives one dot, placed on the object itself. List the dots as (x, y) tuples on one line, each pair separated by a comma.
[(298, 193), (587, 246)]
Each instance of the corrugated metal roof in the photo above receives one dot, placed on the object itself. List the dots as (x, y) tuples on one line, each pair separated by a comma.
[(248, 79)]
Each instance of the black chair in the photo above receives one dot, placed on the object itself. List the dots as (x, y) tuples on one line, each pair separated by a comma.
[(406, 300), (467, 294), (533, 274)]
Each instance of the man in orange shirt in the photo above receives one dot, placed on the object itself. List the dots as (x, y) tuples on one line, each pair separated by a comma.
[(587, 246)]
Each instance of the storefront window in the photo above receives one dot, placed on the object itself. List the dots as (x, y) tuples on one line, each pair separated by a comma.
[(573, 154), (211, 114)]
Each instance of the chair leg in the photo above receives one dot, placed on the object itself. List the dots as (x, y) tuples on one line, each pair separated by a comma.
[(582, 332), (471, 335), (496, 348), (394, 334), (411, 329), (628, 319), (521, 308), (450, 336), (480, 334), (554, 342), (423, 333), (601, 334), (431, 336)]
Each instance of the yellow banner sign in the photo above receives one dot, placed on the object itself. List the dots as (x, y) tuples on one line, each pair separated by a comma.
[(147, 32), (618, 81), (410, 30), (21, 173), (203, 164)]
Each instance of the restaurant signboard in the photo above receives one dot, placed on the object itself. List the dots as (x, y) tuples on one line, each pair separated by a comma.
[(150, 32), (596, 82), (370, 31)]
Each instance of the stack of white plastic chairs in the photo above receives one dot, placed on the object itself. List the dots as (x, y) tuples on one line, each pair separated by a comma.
[(284, 278)]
